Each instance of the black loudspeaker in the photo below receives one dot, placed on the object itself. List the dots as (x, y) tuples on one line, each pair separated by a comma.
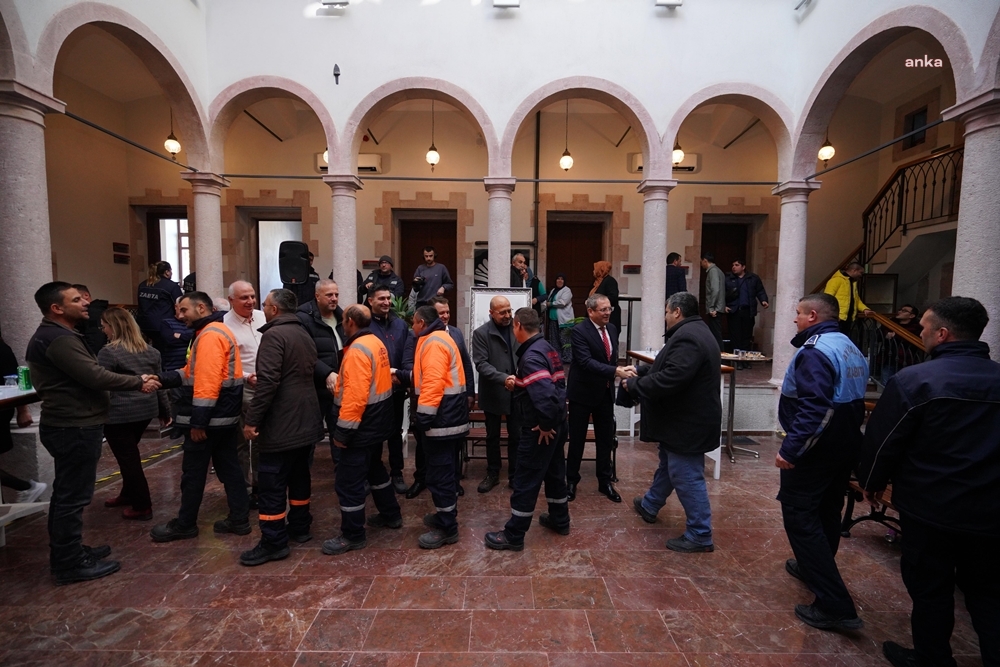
[(293, 262)]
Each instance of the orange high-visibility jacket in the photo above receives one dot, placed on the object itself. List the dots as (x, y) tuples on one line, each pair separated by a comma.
[(212, 380), (439, 383), (362, 404)]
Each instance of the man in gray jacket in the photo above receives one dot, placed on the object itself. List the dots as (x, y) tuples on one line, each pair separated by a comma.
[(284, 420), (715, 295), (493, 350), (74, 392)]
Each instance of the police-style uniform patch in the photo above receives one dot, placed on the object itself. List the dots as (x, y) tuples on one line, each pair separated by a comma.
[(812, 341)]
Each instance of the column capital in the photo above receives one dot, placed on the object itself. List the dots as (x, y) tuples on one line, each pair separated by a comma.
[(203, 182), (656, 188), (977, 113), (18, 94), (499, 186), (795, 191), (343, 182)]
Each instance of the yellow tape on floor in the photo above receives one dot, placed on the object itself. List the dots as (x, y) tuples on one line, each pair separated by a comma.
[(151, 457)]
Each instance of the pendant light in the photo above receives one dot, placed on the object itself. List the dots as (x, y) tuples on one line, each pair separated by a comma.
[(677, 156), (826, 151), (171, 144), (566, 161), (432, 157), (326, 156)]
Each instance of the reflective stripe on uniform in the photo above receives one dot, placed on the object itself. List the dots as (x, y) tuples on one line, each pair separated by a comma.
[(381, 486), (216, 421), (446, 509), (271, 517), (348, 424), (203, 402), (518, 513), (442, 432), (427, 409), (556, 501), (356, 508), (298, 503)]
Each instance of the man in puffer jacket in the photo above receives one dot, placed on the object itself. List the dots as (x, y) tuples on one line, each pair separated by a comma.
[(208, 412), (284, 422)]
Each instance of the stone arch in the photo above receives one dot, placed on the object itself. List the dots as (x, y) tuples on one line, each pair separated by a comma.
[(388, 95), (856, 54), (236, 97), (148, 47), (988, 73), (8, 69), (764, 104), (598, 90)]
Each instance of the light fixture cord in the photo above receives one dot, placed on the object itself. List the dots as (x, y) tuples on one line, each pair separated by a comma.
[(171, 120), (567, 125), (432, 122)]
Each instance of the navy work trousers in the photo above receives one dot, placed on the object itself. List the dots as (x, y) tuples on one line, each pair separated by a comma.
[(358, 465), (219, 448), (537, 463), (442, 481), (283, 481)]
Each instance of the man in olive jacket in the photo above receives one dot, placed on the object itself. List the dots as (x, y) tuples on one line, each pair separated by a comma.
[(284, 420), (682, 411)]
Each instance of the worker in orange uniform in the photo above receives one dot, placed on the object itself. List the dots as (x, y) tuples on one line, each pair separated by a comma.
[(208, 412), (363, 411), (442, 414)]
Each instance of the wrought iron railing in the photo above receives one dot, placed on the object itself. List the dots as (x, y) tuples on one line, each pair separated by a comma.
[(888, 347), (921, 192)]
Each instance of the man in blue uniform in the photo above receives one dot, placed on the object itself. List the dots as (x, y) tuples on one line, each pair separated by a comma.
[(821, 409), (540, 402)]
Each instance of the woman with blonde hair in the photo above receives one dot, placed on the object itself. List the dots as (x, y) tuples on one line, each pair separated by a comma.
[(131, 411), (604, 283)]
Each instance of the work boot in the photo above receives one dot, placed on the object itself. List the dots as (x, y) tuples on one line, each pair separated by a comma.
[(488, 483), (399, 484), (173, 530), (263, 553), (87, 569), (499, 541), (641, 511), (545, 521), (684, 545), (341, 545), (436, 539), (380, 521), (227, 525), (812, 615)]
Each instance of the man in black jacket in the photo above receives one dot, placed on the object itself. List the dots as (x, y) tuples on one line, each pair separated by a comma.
[(934, 435), (540, 401), (743, 291), (383, 275), (591, 394), (284, 421), (682, 411), (676, 275), (324, 320)]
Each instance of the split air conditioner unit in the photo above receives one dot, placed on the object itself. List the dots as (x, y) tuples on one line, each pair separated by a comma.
[(669, 3), (690, 165), (506, 4), (368, 163)]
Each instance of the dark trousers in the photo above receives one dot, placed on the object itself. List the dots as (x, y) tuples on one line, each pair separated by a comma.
[(395, 440), (812, 499), (493, 458), (604, 433), (538, 463), (283, 481), (76, 452), (442, 481), (741, 328), (933, 562), (219, 448), (246, 450), (715, 326), (326, 414), (420, 458), (358, 465), (123, 439)]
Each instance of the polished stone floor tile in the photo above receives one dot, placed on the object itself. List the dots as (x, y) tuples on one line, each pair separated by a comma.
[(405, 630), (416, 593), (498, 593), (483, 660), (630, 632), (338, 630), (570, 593), (549, 630)]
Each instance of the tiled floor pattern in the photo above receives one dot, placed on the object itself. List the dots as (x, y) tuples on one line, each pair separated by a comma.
[(609, 594)]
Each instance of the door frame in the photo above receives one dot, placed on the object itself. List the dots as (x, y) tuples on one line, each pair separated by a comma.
[(246, 248)]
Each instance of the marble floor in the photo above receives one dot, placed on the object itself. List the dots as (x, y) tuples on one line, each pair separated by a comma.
[(609, 594)]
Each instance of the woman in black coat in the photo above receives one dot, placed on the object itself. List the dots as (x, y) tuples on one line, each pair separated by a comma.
[(605, 284)]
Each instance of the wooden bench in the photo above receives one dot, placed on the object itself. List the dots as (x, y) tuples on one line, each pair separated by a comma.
[(877, 513)]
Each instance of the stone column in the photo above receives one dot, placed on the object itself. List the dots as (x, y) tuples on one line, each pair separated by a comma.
[(654, 261), (345, 234), (25, 240), (791, 276), (500, 190), (977, 248), (207, 191)]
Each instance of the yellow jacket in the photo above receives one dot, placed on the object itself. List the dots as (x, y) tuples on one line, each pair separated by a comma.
[(840, 287)]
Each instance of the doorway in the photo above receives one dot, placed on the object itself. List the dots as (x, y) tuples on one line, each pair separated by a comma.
[(168, 239), (259, 232), (574, 241), (727, 237), (428, 227)]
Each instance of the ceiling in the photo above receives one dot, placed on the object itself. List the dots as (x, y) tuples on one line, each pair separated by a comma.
[(99, 61)]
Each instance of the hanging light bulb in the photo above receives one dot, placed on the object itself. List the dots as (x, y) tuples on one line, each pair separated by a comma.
[(326, 156), (171, 144), (826, 151), (677, 156), (566, 161), (432, 157)]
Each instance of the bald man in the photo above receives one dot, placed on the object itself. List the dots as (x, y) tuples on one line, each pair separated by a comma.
[(493, 350)]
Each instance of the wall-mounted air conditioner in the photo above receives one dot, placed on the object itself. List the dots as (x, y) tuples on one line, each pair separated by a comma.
[(690, 165), (369, 163)]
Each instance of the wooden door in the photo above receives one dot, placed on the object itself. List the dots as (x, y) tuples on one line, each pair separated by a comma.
[(728, 241), (418, 229), (573, 247)]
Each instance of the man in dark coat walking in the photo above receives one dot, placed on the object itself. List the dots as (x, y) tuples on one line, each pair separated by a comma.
[(324, 320), (933, 433), (743, 291), (682, 411), (284, 421)]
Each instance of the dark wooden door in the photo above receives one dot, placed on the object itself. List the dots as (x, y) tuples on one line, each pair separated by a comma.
[(573, 247), (729, 242), (419, 229)]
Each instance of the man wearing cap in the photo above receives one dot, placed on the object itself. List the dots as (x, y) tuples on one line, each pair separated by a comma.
[(385, 274)]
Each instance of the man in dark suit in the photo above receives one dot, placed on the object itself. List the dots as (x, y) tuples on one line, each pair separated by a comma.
[(591, 393), (676, 275)]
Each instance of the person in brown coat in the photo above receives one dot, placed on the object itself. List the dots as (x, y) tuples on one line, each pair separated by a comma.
[(284, 419)]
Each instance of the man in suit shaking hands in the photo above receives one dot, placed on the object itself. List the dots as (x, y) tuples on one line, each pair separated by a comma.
[(591, 393)]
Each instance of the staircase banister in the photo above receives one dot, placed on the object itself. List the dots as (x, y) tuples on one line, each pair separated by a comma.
[(892, 326), (851, 257), (895, 175)]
